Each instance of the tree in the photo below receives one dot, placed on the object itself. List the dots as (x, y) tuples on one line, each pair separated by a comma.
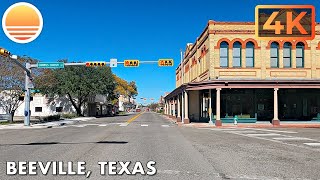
[(124, 88), (153, 105), (77, 83), (12, 82)]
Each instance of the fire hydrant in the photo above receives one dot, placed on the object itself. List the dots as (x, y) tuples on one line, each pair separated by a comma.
[(235, 120)]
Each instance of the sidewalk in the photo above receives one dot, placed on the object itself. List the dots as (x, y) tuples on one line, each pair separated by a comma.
[(259, 124), (47, 124)]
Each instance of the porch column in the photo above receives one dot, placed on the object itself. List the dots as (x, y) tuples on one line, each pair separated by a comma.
[(179, 110), (170, 108), (165, 107), (186, 108), (174, 108), (275, 120), (210, 108), (218, 120)]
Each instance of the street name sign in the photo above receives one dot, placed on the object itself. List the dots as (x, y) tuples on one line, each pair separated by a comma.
[(50, 65)]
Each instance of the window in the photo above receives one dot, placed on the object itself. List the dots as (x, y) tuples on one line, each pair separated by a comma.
[(58, 109), (236, 53), (274, 55), (300, 55), (287, 55), (224, 50), (250, 54), (38, 109)]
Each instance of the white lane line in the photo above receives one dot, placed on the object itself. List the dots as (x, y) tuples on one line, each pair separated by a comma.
[(289, 132), (270, 134), (226, 129), (78, 125), (312, 144), (103, 125), (124, 124), (165, 125), (245, 132), (293, 138), (144, 125)]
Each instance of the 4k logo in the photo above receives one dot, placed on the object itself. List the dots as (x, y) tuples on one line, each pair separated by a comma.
[(285, 22)]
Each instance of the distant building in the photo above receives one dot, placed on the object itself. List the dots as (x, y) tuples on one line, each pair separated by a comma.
[(227, 72), (44, 106), (125, 102)]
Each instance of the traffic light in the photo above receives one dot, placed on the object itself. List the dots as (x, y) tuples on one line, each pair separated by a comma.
[(165, 62), (95, 64), (4, 52), (21, 97), (131, 63)]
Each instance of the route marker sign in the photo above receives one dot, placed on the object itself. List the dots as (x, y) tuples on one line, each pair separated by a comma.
[(113, 62), (165, 62), (131, 63), (50, 65)]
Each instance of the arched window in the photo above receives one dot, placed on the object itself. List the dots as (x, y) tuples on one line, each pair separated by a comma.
[(224, 50), (250, 54), (300, 55), (287, 55), (274, 55), (236, 53)]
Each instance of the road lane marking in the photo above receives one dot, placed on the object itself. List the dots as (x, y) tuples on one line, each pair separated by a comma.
[(134, 118), (102, 125), (144, 125), (165, 125), (289, 132), (245, 132), (124, 124), (312, 144), (270, 134), (293, 138)]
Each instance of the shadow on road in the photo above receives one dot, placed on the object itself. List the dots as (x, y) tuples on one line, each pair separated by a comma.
[(53, 143)]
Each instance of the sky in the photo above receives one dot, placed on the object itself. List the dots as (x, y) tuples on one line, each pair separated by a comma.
[(98, 30)]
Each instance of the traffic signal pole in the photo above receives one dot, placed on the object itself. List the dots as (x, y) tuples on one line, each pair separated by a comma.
[(27, 112), (28, 77)]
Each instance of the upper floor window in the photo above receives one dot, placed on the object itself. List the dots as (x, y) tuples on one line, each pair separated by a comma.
[(250, 54), (300, 55), (236, 53), (274, 55), (224, 50), (287, 55)]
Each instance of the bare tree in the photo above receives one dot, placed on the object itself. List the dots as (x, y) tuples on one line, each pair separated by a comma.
[(12, 80)]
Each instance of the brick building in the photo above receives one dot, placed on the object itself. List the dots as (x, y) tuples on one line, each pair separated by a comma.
[(228, 72)]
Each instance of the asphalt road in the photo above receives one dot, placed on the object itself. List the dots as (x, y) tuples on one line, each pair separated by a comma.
[(179, 152)]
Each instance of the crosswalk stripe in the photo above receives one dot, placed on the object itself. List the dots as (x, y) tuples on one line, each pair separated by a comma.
[(144, 125), (102, 125), (312, 144), (165, 125), (293, 138), (269, 134)]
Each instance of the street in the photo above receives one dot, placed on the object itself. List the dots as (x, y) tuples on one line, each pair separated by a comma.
[(179, 152)]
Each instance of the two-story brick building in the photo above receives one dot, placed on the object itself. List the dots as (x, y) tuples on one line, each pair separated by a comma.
[(228, 72)]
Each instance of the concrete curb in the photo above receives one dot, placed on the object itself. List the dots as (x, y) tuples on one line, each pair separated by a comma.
[(251, 126)]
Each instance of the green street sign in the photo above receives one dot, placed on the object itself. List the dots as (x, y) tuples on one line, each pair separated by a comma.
[(50, 65)]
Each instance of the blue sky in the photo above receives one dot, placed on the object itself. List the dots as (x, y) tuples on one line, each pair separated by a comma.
[(129, 29)]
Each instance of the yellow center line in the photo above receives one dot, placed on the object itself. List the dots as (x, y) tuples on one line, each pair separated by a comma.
[(133, 118)]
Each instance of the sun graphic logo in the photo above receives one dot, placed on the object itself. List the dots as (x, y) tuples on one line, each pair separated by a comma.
[(22, 22)]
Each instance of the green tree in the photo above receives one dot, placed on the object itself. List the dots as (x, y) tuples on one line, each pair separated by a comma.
[(77, 83)]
